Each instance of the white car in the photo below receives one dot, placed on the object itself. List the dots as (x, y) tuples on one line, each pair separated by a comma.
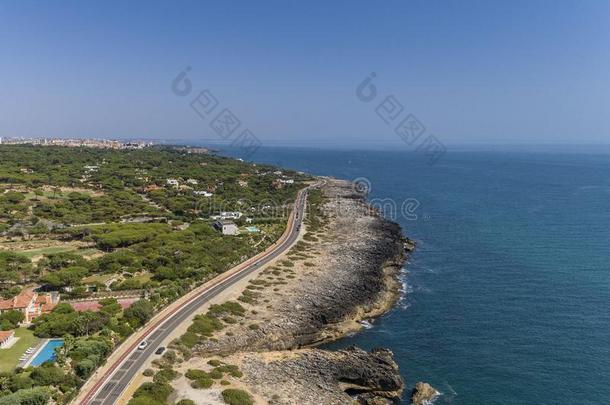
[(142, 345)]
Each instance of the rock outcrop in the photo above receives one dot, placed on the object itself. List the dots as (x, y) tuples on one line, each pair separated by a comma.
[(312, 376), (423, 394)]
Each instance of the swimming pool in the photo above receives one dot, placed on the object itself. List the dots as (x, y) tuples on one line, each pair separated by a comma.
[(47, 353)]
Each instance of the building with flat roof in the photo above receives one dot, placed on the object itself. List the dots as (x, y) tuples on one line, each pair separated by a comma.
[(226, 227)]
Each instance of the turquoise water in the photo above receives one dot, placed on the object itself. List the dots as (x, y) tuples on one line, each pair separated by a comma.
[(508, 292), (47, 353)]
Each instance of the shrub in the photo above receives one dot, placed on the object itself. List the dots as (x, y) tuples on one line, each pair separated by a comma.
[(149, 372), (165, 375), (189, 339), (170, 356), (214, 363), (252, 294), (153, 390), (230, 307), (310, 238), (194, 374), (205, 325), (254, 326), (229, 319), (246, 299), (186, 402), (232, 370), (202, 383), (237, 397)]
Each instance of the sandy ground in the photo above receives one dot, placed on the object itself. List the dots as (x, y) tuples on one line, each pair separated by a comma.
[(210, 396)]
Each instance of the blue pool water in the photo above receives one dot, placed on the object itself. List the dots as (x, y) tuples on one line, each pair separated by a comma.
[(47, 353), (508, 291)]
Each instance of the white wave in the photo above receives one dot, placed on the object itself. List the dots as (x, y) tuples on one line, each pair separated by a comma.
[(433, 400), (404, 305), (366, 324)]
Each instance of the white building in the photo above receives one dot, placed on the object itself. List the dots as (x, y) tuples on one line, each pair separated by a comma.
[(226, 227), (227, 215), (91, 168), (7, 338), (230, 215), (173, 182), (203, 193), (192, 181)]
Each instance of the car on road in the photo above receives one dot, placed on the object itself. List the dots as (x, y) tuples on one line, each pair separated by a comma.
[(160, 350), (143, 344)]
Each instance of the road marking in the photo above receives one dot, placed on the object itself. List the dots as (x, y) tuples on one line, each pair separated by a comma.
[(106, 390)]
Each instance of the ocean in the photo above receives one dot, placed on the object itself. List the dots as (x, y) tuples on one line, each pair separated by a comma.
[(507, 296)]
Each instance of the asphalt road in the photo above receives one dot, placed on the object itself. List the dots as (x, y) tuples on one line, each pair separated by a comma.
[(116, 381)]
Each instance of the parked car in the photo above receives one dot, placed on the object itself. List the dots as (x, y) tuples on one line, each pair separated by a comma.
[(143, 344), (160, 350)]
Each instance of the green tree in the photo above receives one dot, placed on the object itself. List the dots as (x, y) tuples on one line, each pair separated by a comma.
[(11, 319), (30, 396), (139, 312)]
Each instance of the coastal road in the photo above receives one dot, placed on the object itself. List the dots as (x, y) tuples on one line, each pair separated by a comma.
[(107, 387)]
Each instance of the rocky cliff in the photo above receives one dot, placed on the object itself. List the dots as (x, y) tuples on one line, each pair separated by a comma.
[(340, 274)]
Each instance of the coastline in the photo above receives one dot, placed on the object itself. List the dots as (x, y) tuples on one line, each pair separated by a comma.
[(386, 301), (388, 296), (343, 273)]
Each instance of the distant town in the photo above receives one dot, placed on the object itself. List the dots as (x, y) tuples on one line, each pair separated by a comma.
[(78, 142)]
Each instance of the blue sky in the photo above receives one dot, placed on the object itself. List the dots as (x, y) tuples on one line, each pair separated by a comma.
[(514, 72)]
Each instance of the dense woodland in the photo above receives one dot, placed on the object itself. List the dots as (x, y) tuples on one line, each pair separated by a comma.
[(89, 197)]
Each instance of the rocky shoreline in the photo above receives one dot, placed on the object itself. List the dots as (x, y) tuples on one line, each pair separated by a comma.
[(341, 273)]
